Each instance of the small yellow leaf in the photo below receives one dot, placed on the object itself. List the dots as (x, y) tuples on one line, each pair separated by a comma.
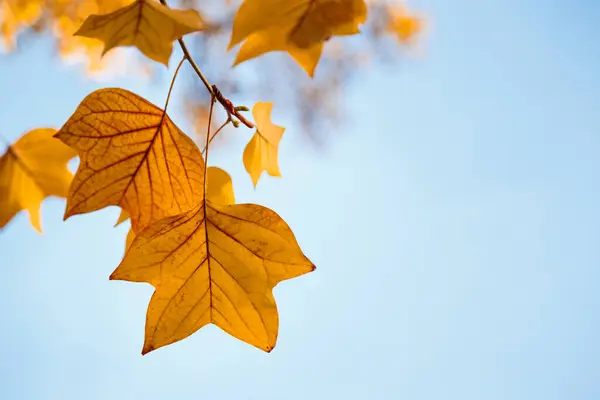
[(404, 25), (122, 217), (132, 156), (261, 153), (145, 24), (32, 169), (214, 264), (219, 187), (306, 22), (271, 40), (297, 26)]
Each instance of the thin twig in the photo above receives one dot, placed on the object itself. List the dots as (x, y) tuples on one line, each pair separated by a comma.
[(210, 114), (216, 133), (212, 89), (173, 83)]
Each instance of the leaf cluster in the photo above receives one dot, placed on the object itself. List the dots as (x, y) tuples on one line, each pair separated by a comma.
[(209, 259), (315, 104)]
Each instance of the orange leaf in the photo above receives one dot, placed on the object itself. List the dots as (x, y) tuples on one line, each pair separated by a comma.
[(261, 153), (270, 40), (145, 24), (404, 25), (219, 188), (132, 156), (297, 26), (122, 218), (214, 264), (32, 169)]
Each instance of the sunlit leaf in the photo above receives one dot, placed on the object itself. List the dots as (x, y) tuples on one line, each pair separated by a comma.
[(30, 170), (271, 40), (129, 239), (145, 24), (261, 153), (297, 26), (214, 264), (404, 24), (132, 156), (122, 218), (305, 22), (219, 187)]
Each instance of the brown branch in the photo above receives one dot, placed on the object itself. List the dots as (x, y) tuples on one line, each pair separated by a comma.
[(212, 89)]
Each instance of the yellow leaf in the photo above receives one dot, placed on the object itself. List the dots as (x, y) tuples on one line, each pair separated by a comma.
[(261, 153), (219, 187), (214, 264), (32, 169), (132, 156), (273, 40), (129, 239), (17, 14), (145, 24), (404, 25), (297, 26), (306, 22), (122, 217)]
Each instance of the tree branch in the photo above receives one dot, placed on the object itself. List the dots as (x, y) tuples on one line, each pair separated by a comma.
[(212, 89)]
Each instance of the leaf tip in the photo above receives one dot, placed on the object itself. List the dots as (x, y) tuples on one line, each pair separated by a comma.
[(68, 214), (115, 276), (147, 349), (231, 44)]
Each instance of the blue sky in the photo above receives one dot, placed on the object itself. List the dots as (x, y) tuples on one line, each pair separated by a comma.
[(454, 224)]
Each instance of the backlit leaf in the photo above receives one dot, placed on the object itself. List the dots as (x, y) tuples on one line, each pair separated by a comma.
[(219, 191), (129, 239), (30, 170), (305, 22), (261, 153), (122, 217), (219, 187), (214, 264), (132, 156), (145, 24), (403, 24), (297, 26), (273, 40)]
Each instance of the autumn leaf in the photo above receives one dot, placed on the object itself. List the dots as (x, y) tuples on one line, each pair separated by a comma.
[(214, 264), (305, 22), (268, 40), (298, 27), (145, 24), (129, 239), (404, 25), (261, 153), (310, 23), (132, 156), (219, 188), (219, 191), (15, 16), (32, 169), (122, 218)]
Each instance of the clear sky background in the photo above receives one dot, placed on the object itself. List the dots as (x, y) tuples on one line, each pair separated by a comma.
[(454, 222)]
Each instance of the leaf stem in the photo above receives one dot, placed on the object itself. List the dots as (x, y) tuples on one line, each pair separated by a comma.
[(212, 89), (216, 133), (210, 114), (173, 83)]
